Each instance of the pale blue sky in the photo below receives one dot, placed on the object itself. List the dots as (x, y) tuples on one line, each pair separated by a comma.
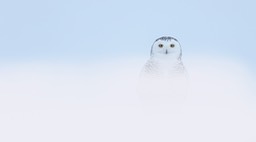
[(90, 30)]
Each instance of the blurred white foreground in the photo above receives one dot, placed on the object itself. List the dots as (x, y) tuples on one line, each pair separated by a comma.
[(98, 102)]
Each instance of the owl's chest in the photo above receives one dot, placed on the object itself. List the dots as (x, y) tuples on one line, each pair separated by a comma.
[(167, 68)]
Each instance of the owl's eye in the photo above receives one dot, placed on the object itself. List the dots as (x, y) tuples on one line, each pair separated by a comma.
[(172, 45), (160, 45)]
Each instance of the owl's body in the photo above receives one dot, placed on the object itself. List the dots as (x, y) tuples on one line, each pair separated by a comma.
[(164, 74), (163, 68)]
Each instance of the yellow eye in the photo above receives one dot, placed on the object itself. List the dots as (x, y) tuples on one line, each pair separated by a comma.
[(172, 45), (160, 45)]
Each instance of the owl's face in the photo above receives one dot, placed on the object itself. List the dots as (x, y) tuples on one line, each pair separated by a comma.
[(166, 47)]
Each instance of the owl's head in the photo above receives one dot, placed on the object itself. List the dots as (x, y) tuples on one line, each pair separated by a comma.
[(166, 46)]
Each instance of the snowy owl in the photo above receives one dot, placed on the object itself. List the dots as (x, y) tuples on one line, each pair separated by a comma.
[(164, 75)]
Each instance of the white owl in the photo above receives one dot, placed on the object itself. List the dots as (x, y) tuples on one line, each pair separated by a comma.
[(164, 75)]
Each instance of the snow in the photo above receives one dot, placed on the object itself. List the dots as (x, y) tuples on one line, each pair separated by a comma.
[(98, 102)]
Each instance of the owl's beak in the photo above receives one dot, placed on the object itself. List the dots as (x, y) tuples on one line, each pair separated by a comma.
[(166, 52)]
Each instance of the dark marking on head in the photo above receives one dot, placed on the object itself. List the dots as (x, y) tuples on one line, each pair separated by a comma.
[(167, 38)]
